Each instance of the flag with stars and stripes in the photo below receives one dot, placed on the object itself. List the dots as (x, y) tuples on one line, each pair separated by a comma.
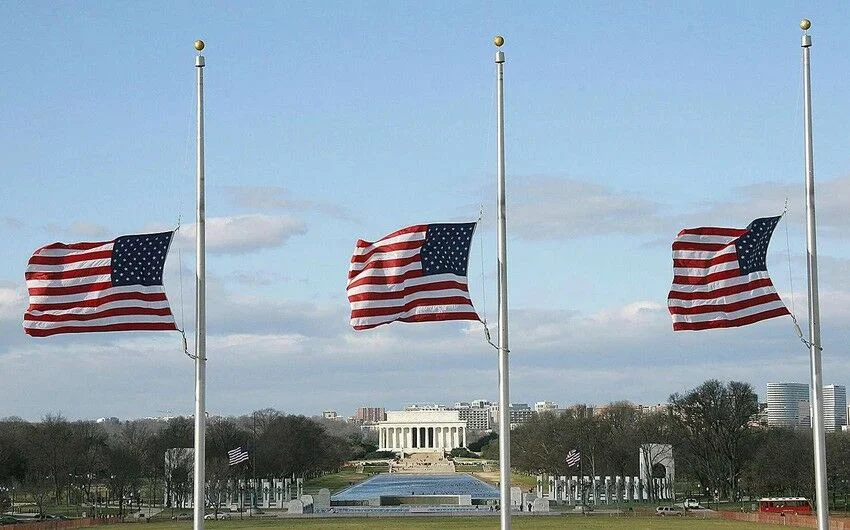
[(573, 458), (106, 286), (237, 456), (720, 277), (416, 274)]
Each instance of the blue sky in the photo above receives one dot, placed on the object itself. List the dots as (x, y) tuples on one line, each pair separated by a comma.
[(328, 122)]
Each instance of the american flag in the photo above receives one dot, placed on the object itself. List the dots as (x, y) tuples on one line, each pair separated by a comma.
[(573, 458), (237, 456), (416, 274), (106, 286), (720, 277)]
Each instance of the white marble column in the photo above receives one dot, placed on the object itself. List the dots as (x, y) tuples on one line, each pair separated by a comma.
[(463, 430)]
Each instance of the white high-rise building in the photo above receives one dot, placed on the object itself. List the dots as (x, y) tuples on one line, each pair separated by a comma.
[(834, 407), (544, 406), (788, 405), (476, 418)]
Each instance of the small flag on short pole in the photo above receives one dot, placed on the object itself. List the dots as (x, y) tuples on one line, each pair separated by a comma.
[(573, 458), (237, 456), (720, 277)]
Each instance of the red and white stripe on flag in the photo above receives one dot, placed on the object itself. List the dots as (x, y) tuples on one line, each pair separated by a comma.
[(709, 288), (387, 280)]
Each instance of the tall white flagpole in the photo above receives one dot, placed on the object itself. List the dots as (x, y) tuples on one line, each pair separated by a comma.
[(200, 311), (504, 394), (814, 310)]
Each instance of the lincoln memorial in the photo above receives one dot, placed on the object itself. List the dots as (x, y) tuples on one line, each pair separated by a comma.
[(416, 431)]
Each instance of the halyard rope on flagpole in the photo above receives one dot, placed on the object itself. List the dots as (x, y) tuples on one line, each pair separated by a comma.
[(791, 281), (182, 328), (483, 286)]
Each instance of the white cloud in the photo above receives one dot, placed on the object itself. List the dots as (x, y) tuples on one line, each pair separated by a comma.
[(13, 302), (243, 233)]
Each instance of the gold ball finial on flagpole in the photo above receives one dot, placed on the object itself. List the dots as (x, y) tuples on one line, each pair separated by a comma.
[(199, 45), (805, 24), (498, 40)]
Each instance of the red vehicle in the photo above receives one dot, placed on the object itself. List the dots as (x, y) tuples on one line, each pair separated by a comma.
[(791, 505)]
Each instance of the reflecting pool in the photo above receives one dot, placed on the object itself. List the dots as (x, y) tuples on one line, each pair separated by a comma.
[(402, 484)]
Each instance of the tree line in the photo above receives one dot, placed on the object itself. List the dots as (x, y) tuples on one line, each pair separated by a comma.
[(720, 447), (56, 461)]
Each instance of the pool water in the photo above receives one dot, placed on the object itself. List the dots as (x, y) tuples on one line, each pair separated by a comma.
[(402, 484)]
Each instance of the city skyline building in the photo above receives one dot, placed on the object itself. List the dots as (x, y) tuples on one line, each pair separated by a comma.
[(544, 406), (477, 418), (788, 405), (370, 415), (834, 407)]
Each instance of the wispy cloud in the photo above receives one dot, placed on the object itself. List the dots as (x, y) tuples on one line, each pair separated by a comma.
[(81, 230), (11, 223), (544, 208), (278, 198), (552, 208), (768, 198)]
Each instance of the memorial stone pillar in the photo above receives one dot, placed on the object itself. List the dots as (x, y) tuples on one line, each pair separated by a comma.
[(299, 482), (278, 492), (629, 490), (595, 484), (607, 490), (577, 489), (287, 489), (266, 491)]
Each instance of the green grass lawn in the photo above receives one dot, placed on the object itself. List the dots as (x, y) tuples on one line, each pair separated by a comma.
[(464, 523)]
